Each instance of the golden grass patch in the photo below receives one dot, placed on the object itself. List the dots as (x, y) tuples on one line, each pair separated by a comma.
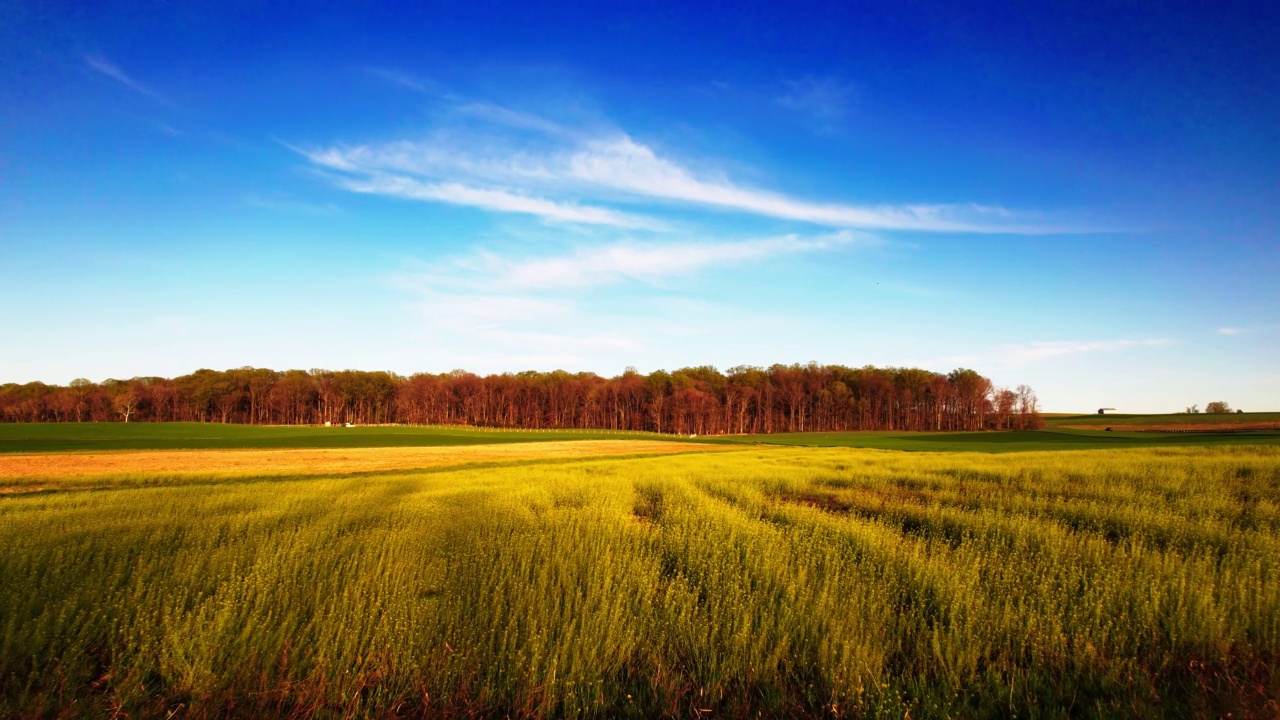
[(15, 469)]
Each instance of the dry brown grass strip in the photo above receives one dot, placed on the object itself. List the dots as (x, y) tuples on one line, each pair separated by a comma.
[(313, 461)]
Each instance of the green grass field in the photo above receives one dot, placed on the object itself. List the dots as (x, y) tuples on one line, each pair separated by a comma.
[(1120, 419), (774, 581), (58, 437), (1011, 441)]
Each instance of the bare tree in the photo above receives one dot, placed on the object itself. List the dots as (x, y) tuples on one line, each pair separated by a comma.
[(1028, 409), (125, 400)]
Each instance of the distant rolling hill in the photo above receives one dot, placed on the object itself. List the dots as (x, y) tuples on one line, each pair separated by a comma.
[(1169, 422)]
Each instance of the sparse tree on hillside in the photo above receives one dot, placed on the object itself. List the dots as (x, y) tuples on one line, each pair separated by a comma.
[(1217, 406), (1192, 410)]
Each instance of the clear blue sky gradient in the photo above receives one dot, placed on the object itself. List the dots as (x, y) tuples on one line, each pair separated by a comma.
[(1083, 197)]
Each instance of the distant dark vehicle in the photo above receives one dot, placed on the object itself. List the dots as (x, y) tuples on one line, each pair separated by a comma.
[(1108, 429), (1103, 411)]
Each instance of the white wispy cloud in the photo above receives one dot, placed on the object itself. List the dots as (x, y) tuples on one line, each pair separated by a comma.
[(823, 101), (621, 262), (1035, 351), (107, 68), (489, 309), (541, 331), (489, 199), (621, 163), (651, 263), (168, 129), (562, 167), (401, 78), (560, 305), (1231, 331), (527, 340), (1020, 354), (280, 202), (500, 115)]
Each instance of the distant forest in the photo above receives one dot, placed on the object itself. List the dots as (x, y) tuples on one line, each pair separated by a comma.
[(701, 400)]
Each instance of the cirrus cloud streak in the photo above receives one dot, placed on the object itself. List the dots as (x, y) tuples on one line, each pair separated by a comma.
[(1021, 354), (624, 261), (518, 162)]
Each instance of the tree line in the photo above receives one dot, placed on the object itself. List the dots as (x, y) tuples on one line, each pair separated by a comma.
[(696, 400), (1217, 407)]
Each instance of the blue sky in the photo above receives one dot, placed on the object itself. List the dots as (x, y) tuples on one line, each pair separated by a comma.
[(1083, 199)]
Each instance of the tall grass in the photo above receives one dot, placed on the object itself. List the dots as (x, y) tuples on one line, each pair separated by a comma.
[(837, 582)]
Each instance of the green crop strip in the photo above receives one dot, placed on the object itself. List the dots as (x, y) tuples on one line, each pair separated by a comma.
[(62, 437)]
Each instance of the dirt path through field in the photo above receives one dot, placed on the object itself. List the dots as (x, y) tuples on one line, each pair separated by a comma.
[(17, 471)]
